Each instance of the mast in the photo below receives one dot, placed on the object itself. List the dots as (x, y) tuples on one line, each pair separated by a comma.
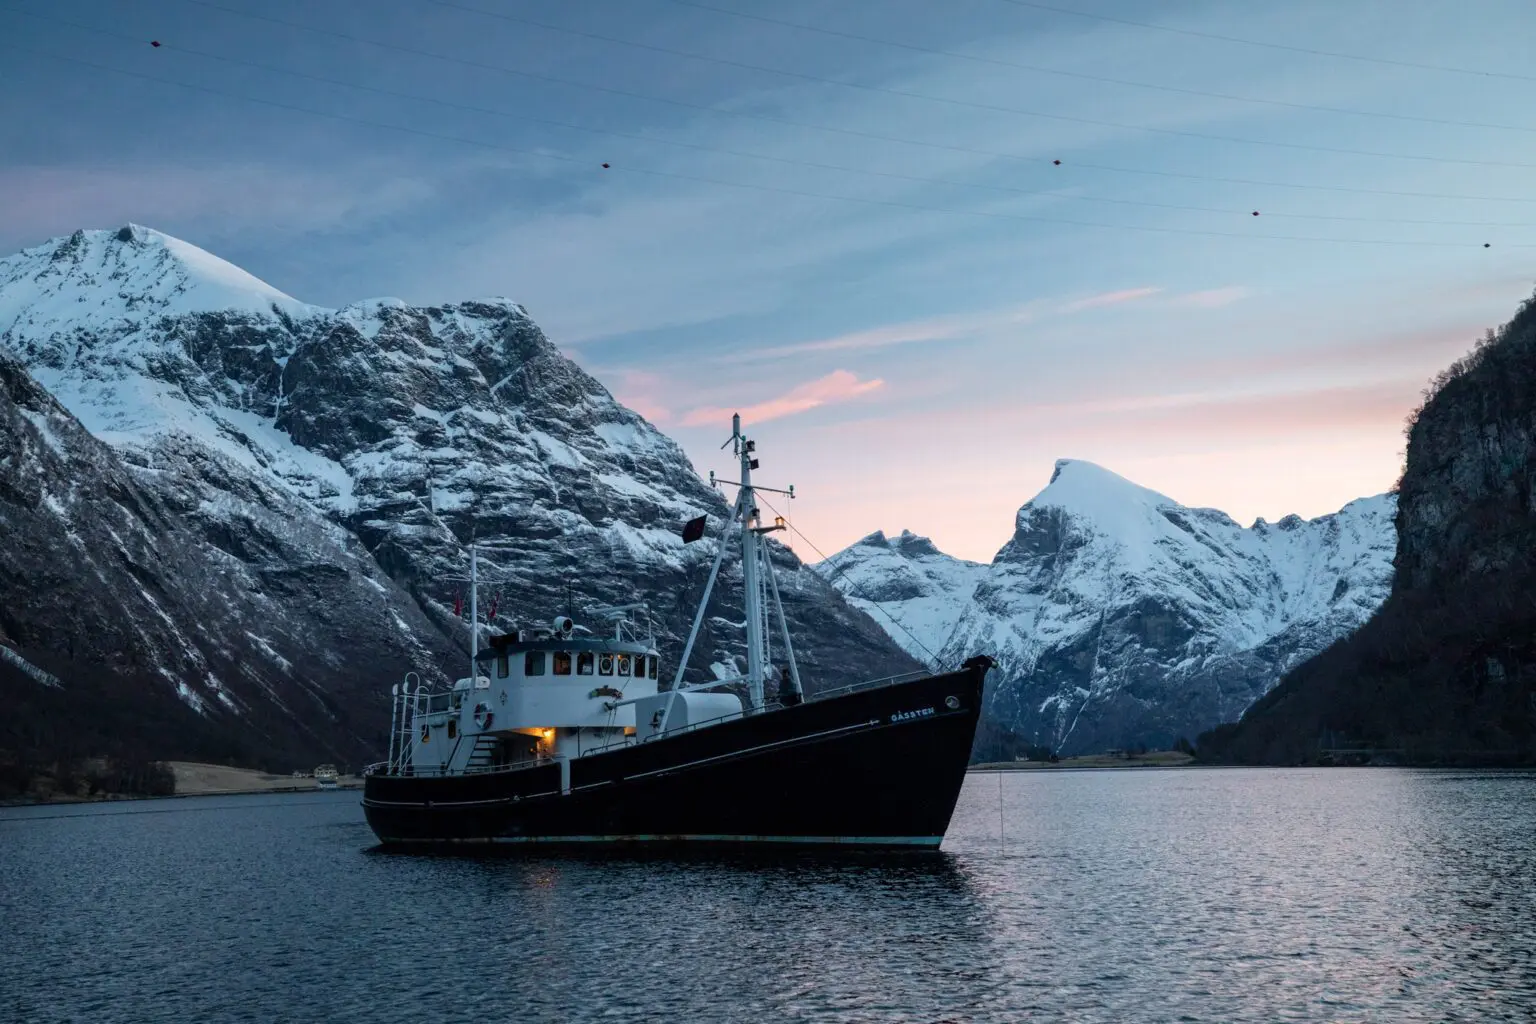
[(750, 566), (474, 609), (759, 588)]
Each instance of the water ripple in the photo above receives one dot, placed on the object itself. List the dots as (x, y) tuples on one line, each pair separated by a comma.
[(1222, 896)]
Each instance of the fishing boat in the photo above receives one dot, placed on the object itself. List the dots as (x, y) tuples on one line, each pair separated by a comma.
[(566, 735)]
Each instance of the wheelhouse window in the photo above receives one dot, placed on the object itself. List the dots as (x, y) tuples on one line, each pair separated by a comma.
[(585, 663), (605, 665), (562, 660), (503, 664), (652, 666), (533, 663), (623, 664)]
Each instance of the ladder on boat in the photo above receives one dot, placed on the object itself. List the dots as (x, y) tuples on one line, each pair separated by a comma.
[(483, 754)]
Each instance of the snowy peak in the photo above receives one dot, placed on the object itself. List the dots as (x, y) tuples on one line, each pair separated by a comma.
[(397, 431), (910, 587), (1086, 487), (1119, 616), (96, 278), (1099, 502), (908, 544)]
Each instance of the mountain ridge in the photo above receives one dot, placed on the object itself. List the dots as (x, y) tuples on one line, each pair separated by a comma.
[(399, 430), (1120, 617)]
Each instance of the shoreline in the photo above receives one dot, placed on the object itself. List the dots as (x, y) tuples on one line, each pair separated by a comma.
[(1151, 759), (194, 778)]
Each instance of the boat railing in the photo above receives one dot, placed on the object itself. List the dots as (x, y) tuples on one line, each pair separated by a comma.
[(868, 684), (629, 741), (434, 771)]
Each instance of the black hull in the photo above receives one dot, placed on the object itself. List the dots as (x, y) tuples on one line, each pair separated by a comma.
[(880, 767)]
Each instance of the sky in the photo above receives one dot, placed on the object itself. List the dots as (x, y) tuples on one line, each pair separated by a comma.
[(847, 220)]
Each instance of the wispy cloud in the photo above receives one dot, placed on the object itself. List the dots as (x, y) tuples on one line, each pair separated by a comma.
[(46, 200), (1109, 299), (837, 386), (1211, 298), (943, 328)]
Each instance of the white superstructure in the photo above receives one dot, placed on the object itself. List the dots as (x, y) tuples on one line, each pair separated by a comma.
[(562, 692)]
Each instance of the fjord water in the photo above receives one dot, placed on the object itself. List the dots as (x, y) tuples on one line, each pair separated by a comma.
[(1195, 895)]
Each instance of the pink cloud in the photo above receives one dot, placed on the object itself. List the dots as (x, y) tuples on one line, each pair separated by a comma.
[(639, 390), (1109, 299), (837, 386)]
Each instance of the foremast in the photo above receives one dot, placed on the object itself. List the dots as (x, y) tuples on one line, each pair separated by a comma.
[(760, 588)]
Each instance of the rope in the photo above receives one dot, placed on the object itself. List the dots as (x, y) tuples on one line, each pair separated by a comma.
[(933, 659)]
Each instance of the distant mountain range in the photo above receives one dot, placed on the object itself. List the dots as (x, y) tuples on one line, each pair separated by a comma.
[(232, 518), (1120, 617)]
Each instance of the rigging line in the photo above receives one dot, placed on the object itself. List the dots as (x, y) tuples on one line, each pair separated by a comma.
[(850, 132), (756, 187), (968, 104), (933, 659), (1449, 69), (790, 161), (1083, 76)]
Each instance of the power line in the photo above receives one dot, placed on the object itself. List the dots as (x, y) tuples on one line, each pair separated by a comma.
[(762, 188), (1083, 76), (1271, 45), (968, 104), (849, 132), (773, 189), (893, 175)]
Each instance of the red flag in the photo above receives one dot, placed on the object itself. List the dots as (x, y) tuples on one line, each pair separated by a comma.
[(458, 606), (693, 529), (491, 616)]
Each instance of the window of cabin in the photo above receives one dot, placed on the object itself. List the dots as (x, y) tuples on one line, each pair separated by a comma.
[(503, 664), (453, 729), (652, 666), (605, 665), (562, 660), (533, 663), (623, 664), (585, 663)]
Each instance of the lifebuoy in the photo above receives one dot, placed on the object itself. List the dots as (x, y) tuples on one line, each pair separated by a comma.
[(483, 716)]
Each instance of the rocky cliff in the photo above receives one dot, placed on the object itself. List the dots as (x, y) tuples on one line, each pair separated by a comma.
[(1119, 617), (1445, 672), (255, 506)]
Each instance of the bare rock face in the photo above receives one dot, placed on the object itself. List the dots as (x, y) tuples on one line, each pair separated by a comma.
[(305, 481), (1120, 618), (147, 599), (1467, 505)]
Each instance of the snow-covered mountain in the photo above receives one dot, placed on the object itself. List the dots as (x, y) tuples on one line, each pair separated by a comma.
[(911, 588), (1120, 617), (334, 461)]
